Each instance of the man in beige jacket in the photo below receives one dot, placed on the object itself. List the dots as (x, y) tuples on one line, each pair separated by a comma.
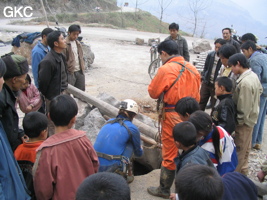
[(247, 98), (74, 58)]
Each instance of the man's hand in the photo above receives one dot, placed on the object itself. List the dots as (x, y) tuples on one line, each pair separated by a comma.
[(173, 196), (261, 176), (24, 138), (29, 108), (258, 47)]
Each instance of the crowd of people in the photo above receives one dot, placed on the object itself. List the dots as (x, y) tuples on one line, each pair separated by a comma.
[(206, 155), (235, 83)]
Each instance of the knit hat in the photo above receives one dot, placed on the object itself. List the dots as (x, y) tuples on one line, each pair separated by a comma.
[(16, 65)]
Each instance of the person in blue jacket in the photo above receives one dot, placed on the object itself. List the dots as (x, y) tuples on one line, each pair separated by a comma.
[(38, 53), (118, 140), (12, 184)]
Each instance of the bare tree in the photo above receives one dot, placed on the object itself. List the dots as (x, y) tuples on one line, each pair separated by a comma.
[(42, 3), (196, 6), (137, 4), (164, 4), (203, 33), (122, 17)]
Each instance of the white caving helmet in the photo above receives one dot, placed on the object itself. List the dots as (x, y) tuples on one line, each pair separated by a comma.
[(129, 105)]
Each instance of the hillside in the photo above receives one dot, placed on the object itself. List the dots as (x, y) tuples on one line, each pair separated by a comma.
[(141, 21), (217, 15), (84, 11), (61, 6)]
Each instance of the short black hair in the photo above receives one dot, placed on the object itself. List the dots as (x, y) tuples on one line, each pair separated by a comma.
[(104, 186), (46, 31), (2, 68), (238, 57), (169, 46), (220, 41), (28, 78), (225, 82), (248, 36), (53, 37), (230, 31), (187, 105), (74, 27), (185, 133), (34, 123), (227, 50), (249, 44), (199, 182), (62, 109), (174, 26)]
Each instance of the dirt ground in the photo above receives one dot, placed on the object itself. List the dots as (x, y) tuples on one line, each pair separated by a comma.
[(120, 69)]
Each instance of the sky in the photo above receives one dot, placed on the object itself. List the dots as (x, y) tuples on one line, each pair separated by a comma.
[(257, 8)]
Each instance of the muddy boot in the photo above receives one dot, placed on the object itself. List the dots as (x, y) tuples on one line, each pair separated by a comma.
[(166, 180), (130, 176)]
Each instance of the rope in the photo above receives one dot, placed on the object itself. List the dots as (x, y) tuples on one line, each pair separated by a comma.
[(151, 147)]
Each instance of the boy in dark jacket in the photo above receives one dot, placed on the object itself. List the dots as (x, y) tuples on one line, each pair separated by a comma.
[(224, 114), (185, 136)]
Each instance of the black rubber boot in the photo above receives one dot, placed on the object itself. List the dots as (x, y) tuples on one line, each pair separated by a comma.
[(166, 180)]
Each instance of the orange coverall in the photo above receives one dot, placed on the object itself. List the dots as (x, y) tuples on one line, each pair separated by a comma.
[(187, 85)]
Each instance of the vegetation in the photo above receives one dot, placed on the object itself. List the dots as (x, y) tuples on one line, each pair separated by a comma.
[(141, 21)]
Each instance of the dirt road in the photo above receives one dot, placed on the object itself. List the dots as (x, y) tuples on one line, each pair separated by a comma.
[(120, 67)]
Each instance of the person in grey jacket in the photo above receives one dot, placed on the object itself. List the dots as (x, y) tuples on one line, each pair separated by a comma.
[(258, 64), (181, 41), (227, 35)]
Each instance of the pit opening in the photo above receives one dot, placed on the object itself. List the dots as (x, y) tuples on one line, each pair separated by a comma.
[(140, 169)]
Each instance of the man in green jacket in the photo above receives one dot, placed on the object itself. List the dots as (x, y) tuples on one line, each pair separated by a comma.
[(181, 41)]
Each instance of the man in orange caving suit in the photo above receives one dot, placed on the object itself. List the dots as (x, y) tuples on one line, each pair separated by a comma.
[(176, 78)]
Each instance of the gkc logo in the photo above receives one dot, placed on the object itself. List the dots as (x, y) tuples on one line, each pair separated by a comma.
[(18, 11)]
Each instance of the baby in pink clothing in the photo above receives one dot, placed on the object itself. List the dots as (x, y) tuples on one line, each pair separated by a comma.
[(29, 98)]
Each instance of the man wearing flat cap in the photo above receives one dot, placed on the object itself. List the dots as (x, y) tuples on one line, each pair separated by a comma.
[(16, 70)]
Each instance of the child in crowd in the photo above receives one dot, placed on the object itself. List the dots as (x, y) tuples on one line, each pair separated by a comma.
[(216, 141), (104, 186), (66, 158), (185, 137), (35, 127), (225, 52), (29, 98), (186, 106), (224, 114), (199, 182)]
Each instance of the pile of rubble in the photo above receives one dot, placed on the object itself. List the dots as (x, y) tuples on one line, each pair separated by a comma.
[(256, 158)]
